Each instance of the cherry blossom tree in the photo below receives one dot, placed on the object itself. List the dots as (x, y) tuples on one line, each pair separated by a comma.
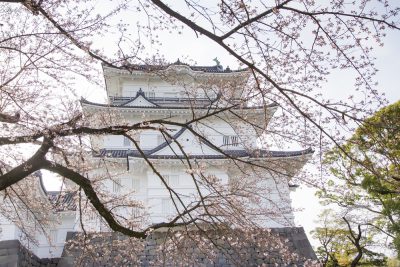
[(290, 48)]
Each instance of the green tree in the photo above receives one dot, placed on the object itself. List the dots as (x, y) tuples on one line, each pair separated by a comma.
[(367, 169), (344, 244)]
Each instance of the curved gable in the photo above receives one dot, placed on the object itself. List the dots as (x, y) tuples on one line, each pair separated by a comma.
[(190, 144), (139, 101)]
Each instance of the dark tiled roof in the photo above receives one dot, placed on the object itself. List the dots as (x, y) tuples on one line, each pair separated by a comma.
[(262, 153), (149, 67), (84, 101), (259, 153), (143, 67), (214, 69), (62, 201), (122, 100), (122, 153)]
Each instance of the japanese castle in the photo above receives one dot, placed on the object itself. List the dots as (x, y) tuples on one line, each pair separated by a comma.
[(213, 136)]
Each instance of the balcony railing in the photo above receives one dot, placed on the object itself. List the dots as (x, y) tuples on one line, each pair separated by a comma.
[(163, 99)]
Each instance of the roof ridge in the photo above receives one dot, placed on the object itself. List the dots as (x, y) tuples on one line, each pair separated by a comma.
[(232, 153), (85, 101), (153, 67)]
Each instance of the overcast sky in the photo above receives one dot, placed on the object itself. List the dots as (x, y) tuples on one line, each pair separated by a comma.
[(388, 77)]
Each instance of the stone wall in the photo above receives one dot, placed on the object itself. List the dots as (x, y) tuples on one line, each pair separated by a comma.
[(273, 247), (13, 254)]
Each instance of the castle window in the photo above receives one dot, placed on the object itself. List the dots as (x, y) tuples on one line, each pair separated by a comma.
[(167, 206), (53, 236), (116, 185), (136, 212), (130, 93), (136, 184), (92, 215), (234, 141), (225, 140), (150, 94), (171, 180), (230, 140)]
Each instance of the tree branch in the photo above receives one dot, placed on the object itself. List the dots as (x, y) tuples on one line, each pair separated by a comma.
[(253, 19), (356, 242), (28, 167), (91, 194), (9, 118)]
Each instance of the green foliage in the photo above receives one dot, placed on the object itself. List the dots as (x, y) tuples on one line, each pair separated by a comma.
[(393, 262), (367, 168), (336, 247)]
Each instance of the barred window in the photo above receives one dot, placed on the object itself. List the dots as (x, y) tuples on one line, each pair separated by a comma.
[(230, 140), (234, 140), (92, 215), (150, 94), (136, 212), (117, 185), (225, 140)]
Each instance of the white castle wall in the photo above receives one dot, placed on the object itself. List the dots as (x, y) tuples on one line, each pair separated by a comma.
[(46, 245), (52, 244), (8, 230), (144, 184), (213, 130)]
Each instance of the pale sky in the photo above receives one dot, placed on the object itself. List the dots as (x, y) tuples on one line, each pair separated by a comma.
[(388, 63)]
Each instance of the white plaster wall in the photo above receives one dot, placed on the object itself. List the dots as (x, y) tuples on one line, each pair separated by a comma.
[(153, 193), (188, 144), (150, 139), (157, 193), (9, 231), (120, 84), (158, 87), (54, 247), (274, 198), (43, 248), (181, 86), (113, 85), (114, 142), (149, 189)]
